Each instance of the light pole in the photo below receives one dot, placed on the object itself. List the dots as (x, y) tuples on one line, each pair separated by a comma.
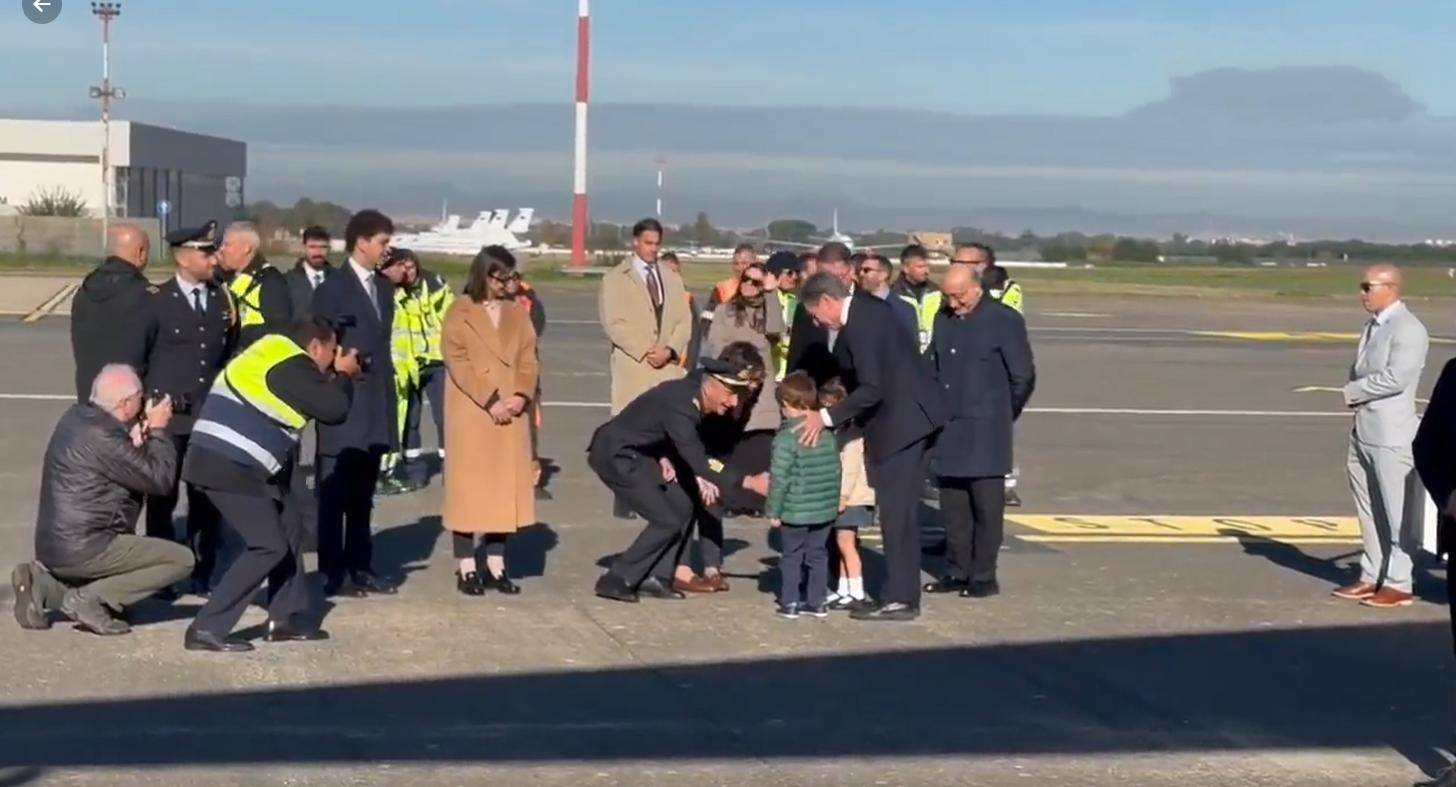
[(106, 12), (661, 165)]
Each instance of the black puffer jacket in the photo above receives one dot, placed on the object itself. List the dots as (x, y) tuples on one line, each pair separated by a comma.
[(106, 324), (92, 483)]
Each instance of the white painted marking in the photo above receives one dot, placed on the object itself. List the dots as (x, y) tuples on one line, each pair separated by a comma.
[(1086, 315), (1042, 410)]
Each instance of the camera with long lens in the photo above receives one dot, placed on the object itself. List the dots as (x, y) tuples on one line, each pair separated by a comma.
[(181, 402), (341, 328)]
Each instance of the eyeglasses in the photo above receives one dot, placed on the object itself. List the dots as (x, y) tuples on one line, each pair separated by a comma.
[(508, 278), (1367, 286)]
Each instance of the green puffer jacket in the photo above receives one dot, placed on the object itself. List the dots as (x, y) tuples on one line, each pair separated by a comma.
[(803, 480)]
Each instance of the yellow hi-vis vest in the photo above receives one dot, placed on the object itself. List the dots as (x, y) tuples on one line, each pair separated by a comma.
[(1011, 296), (779, 350), (406, 340), (925, 314), (242, 418), (248, 296)]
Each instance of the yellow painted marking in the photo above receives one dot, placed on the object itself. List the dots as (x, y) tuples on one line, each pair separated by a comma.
[(1175, 540), (1298, 336), (1189, 529), (50, 304)]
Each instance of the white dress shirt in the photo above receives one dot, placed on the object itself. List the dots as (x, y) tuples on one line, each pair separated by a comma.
[(833, 336), (187, 287), (366, 278)]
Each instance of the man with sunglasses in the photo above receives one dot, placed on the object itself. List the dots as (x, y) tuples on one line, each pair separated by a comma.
[(1381, 391), (873, 274)]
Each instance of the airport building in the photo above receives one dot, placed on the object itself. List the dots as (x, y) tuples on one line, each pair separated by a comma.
[(199, 177)]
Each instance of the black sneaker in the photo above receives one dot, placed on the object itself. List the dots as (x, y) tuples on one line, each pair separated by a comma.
[(788, 611), (861, 605), (1013, 500), (28, 610), (821, 611)]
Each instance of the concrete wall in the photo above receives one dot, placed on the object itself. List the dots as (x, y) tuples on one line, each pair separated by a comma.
[(59, 236)]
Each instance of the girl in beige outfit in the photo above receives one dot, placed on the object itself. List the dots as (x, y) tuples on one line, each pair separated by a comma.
[(490, 357)]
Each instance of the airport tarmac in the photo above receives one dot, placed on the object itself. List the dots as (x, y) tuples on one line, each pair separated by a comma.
[(1185, 638)]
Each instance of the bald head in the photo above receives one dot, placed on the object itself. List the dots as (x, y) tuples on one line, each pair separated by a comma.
[(962, 286), (118, 391), (128, 242), (1380, 287)]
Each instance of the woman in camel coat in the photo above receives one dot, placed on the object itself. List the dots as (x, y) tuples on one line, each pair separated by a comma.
[(490, 358)]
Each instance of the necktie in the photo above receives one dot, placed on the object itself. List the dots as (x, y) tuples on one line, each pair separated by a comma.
[(316, 279), (373, 299), (654, 287), (197, 301)]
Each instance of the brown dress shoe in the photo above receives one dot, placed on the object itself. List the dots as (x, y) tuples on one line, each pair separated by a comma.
[(718, 582), (694, 584), (1389, 598), (1356, 592)]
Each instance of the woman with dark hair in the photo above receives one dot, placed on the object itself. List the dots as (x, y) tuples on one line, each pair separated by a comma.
[(490, 358), (750, 317)]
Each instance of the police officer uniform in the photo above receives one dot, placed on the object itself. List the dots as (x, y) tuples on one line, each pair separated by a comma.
[(189, 335), (625, 453)]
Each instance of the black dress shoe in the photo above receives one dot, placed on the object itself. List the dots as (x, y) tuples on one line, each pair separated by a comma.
[(470, 584), (208, 641), (342, 588), (983, 589), (287, 632), (166, 594), (656, 588), (894, 610), (501, 584), (610, 586), (369, 583), (945, 585), (620, 510)]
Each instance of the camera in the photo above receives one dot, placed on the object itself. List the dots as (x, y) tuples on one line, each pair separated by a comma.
[(341, 326), (181, 403)]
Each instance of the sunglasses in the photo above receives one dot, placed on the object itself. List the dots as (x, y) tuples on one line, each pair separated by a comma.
[(751, 280), (1367, 286), (508, 278)]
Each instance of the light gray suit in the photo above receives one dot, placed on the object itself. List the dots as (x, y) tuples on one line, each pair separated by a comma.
[(1382, 391)]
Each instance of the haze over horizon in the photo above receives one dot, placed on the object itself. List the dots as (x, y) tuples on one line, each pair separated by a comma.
[(1138, 119)]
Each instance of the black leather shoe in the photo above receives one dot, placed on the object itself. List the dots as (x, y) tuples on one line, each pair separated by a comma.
[(166, 594), (470, 584), (656, 588), (610, 586), (208, 641), (287, 632), (367, 582), (342, 588), (945, 585), (501, 584), (894, 610), (621, 511), (985, 589)]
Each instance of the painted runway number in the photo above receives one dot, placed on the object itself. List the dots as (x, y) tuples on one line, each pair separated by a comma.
[(1188, 529)]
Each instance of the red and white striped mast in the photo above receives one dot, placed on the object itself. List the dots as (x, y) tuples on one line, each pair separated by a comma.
[(578, 194)]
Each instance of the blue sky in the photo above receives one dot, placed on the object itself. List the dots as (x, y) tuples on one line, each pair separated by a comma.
[(971, 56)]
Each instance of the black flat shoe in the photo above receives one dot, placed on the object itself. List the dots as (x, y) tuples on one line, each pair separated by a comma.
[(610, 587), (984, 589), (470, 584), (654, 588), (501, 584), (945, 585), (212, 643), (371, 584), (894, 610), (287, 632)]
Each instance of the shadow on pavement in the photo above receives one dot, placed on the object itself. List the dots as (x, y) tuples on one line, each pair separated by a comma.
[(402, 550), (1302, 689), (1427, 587)]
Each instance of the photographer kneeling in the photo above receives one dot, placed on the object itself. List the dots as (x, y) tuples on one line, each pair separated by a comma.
[(102, 457)]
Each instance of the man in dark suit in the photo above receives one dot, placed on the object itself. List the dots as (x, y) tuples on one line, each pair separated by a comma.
[(104, 328), (983, 361), (1434, 451), (310, 270), (892, 392), (188, 323), (808, 340), (360, 301)]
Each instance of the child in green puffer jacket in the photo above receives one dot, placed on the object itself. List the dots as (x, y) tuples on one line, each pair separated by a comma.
[(803, 501)]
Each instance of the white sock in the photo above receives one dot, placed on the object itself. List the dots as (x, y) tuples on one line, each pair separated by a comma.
[(856, 588), (843, 589)]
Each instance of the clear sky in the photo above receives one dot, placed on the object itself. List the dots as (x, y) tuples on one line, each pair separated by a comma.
[(974, 56)]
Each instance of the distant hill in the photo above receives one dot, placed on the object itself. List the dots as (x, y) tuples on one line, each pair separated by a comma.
[(1309, 151)]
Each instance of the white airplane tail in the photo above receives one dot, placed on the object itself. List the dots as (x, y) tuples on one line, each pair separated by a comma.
[(522, 222)]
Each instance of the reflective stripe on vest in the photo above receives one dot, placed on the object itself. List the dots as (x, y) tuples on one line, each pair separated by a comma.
[(780, 349), (242, 418), (925, 311)]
